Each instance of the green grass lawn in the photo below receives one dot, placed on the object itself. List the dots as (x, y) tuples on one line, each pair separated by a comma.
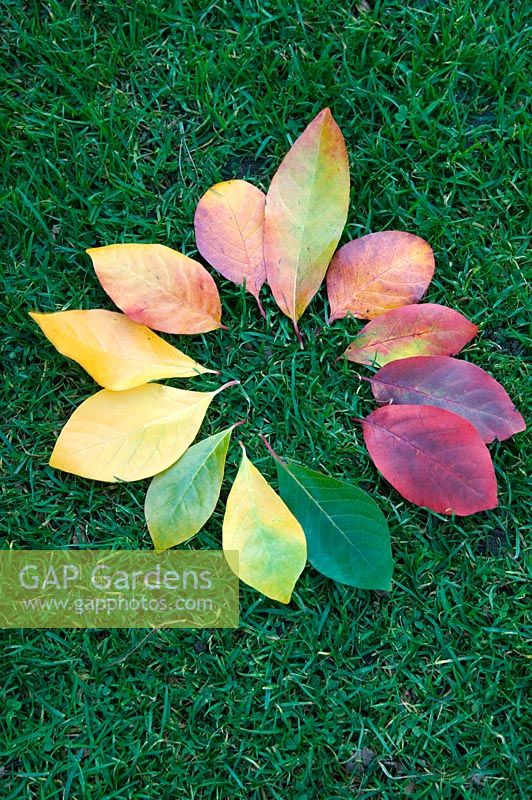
[(117, 116)]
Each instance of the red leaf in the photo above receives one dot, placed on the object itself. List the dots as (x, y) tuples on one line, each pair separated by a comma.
[(424, 330), (452, 385), (378, 272), (434, 458)]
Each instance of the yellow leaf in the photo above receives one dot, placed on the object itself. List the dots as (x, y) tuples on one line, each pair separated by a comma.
[(158, 287), (117, 352), (271, 545), (306, 210), (130, 435)]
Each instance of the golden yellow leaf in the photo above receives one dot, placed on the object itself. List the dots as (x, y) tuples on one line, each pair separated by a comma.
[(117, 352), (130, 435), (271, 545), (158, 287)]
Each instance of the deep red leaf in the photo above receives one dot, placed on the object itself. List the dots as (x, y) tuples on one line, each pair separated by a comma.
[(434, 458), (454, 385)]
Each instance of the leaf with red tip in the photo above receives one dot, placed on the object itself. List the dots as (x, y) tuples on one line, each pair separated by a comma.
[(229, 225), (158, 287), (434, 458), (454, 385), (416, 330), (378, 272), (306, 210)]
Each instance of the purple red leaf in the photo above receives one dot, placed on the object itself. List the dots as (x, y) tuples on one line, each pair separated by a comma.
[(453, 385)]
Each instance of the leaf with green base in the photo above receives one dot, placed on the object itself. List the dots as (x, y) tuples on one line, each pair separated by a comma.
[(269, 540), (347, 534), (181, 499)]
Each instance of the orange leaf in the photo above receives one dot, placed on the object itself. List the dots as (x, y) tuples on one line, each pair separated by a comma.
[(229, 225), (306, 210), (378, 272), (158, 287)]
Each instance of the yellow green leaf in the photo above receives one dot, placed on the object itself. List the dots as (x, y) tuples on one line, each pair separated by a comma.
[(305, 214), (181, 499), (130, 435), (117, 352), (270, 542), (158, 287)]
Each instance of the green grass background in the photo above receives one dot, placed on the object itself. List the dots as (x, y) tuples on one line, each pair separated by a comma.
[(117, 116)]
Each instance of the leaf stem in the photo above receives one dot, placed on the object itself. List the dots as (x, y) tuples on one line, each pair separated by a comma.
[(261, 309), (240, 422), (270, 449), (298, 335), (226, 386)]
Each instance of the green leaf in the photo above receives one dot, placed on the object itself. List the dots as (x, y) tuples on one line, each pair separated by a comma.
[(181, 499), (347, 534)]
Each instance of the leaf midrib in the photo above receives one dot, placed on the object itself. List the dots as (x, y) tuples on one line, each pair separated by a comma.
[(325, 514), (305, 219)]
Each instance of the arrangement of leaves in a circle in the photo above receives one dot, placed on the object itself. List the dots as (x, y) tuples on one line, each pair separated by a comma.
[(428, 439)]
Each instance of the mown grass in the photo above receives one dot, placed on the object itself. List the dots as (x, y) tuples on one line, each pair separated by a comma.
[(117, 117)]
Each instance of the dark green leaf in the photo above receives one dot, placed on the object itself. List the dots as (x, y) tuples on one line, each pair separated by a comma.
[(347, 535)]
